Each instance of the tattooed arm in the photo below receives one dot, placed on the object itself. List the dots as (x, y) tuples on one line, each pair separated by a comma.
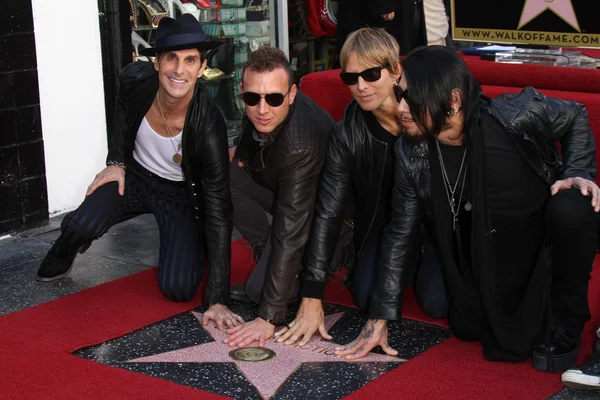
[(375, 333)]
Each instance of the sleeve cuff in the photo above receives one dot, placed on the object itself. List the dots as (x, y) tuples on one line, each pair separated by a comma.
[(387, 312), (312, 289), (271, 314), (216, 298)]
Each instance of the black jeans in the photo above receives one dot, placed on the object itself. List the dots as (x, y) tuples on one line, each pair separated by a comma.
[(252, 209), (571, 229), (252, 206), (428, 284), (573, 234), (180, 264)]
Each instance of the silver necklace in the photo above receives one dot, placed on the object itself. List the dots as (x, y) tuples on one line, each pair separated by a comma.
[(451, 191), (177, 158)]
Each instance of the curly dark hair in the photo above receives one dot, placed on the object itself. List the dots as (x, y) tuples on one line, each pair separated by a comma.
[(267, 59)]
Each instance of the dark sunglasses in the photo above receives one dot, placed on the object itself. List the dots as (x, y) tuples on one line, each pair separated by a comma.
[(399, 93), (369, 75), (272, 99)]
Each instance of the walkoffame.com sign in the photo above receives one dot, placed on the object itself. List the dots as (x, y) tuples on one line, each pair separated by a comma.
[(564, 23)]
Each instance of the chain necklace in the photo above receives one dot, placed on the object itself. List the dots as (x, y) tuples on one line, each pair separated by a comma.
[(451, 191), (177, 158)]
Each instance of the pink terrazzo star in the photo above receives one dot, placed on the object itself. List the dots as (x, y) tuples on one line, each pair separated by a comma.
[(562, 8), (266, 376)]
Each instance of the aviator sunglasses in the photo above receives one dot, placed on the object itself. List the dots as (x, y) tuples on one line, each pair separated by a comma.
[(272, 99), (369, 75)]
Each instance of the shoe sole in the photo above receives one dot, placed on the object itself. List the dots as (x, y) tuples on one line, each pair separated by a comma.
[(240, 297), (576, 379), (81, 250), (542, 362)]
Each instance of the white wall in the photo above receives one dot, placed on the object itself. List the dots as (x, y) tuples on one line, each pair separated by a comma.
[(69, 63)]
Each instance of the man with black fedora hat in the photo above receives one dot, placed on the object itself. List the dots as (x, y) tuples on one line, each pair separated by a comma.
[(167, 155)]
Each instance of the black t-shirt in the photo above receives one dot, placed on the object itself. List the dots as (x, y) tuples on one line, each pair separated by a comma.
[(452, 161), (381, 134)]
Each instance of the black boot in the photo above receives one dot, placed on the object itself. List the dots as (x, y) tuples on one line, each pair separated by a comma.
[(238, 292), (559, 355), (59, 260)]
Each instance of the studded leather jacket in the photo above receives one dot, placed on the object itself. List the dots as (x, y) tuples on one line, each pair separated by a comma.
[(205, 165), (289, 164), (535, 123)]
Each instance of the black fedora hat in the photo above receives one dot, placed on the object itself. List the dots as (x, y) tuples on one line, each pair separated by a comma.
[(184, 32)]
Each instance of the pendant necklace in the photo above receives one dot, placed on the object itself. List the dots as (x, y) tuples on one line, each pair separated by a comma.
[(177, 158), (451, 191)]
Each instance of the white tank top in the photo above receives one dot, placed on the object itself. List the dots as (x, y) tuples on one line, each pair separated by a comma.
[(155, 152)]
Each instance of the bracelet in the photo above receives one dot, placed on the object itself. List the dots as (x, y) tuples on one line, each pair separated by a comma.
[(116, 163)]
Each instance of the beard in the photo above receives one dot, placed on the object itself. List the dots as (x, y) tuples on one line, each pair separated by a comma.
[(412, 137)]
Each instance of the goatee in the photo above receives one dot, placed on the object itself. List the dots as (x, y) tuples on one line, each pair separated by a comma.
[(412, 138)]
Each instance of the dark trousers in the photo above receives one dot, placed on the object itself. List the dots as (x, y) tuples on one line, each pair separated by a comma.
[(571, 225), (573, 234), (252, 205), (252, 210), (180, 265), (428, 284)]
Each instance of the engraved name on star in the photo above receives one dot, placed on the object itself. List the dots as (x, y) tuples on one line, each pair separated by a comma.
[(267, 376), (562, 8)]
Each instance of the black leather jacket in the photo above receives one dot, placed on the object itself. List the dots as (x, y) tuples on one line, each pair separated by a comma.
[(289, 164), (535, 123), (205, 165), (353, 172)]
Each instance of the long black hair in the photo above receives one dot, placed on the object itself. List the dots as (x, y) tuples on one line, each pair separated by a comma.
[(431, 74)]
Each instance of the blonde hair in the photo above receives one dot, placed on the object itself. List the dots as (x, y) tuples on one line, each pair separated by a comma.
[(372, 46)]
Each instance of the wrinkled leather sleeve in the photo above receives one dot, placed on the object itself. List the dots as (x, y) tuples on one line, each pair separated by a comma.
[(292, 217), (334, 189), (118, 133), (569, 124), (133, 77), (400, 241), (213, 174)]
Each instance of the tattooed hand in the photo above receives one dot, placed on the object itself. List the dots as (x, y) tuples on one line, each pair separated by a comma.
[(374, 334)]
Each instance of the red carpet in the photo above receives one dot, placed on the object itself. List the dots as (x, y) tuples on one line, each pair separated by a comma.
[(35, 344)]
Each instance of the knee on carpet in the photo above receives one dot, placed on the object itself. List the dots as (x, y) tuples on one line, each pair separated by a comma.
[(360, 298), (436, 307), (178, 293)]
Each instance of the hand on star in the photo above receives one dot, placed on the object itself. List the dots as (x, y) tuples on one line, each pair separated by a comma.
[(246, 334), (309, 318), (375, 333), (222, 317)]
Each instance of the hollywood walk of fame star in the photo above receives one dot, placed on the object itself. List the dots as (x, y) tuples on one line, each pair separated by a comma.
[(267, 376), (562, 8)]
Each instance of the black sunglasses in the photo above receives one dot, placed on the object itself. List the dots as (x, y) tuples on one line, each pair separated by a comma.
[(399, 93), (272, 99), (369, 75)]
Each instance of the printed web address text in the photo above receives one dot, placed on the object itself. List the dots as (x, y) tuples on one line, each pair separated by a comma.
[(547, 38)]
